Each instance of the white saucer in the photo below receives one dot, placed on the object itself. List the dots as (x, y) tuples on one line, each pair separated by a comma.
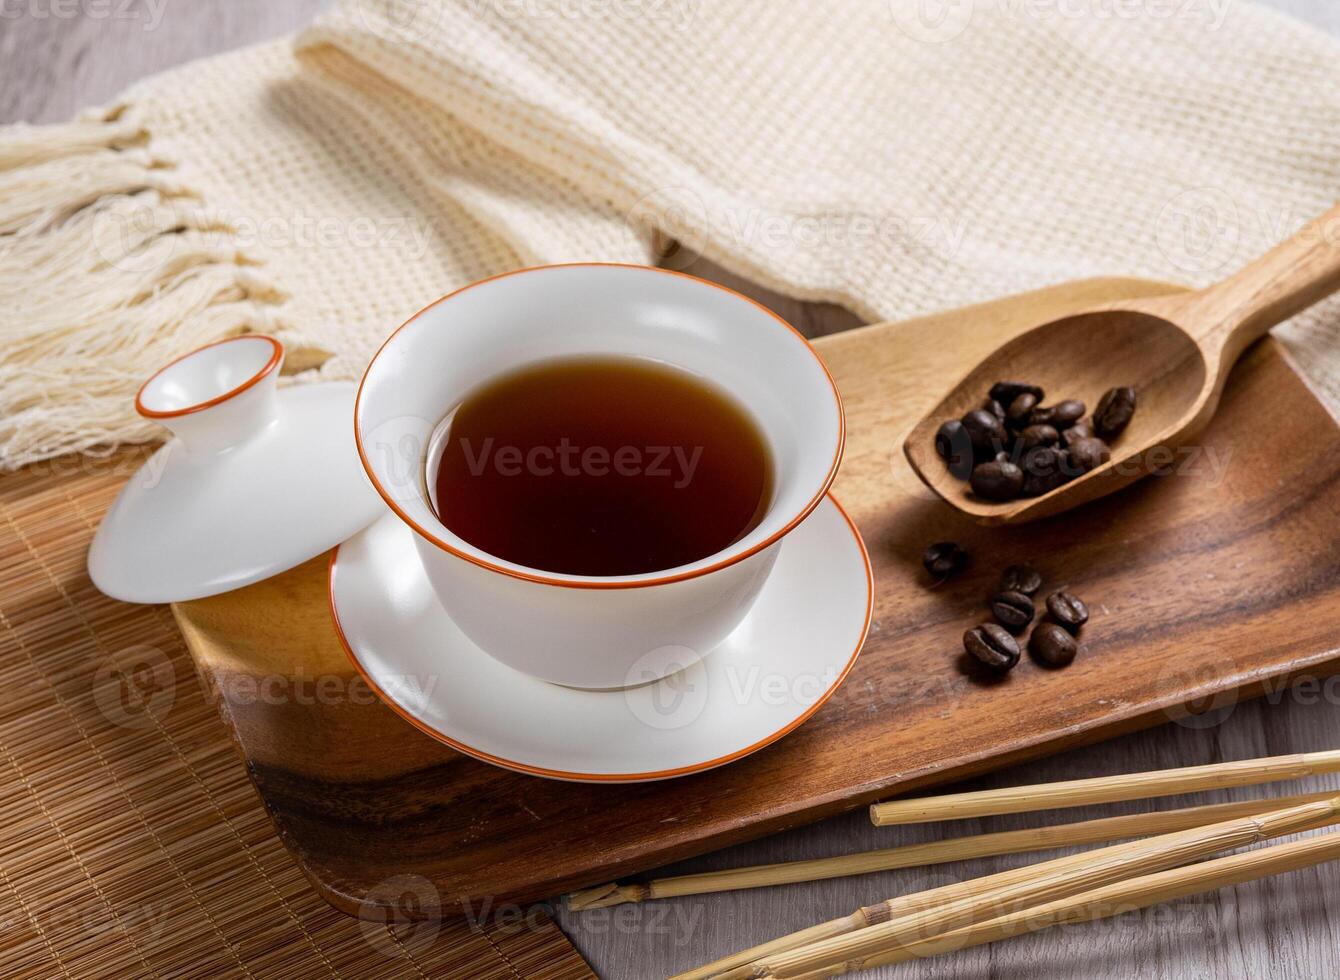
[(192, 525), (780, 665)]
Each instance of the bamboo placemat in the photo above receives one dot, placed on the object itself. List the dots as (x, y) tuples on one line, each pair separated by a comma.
[(132, 842)]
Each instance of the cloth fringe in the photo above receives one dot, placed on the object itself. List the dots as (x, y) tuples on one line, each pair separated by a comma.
[(110, 265)]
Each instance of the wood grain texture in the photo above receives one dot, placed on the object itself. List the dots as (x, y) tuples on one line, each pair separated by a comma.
[(361, 796)]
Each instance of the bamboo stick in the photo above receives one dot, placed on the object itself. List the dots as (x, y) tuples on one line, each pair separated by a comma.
[(1113, 899), (729, 967), (882, 911), (916, 917), (1104, 789), (1105, 830), (1052, 881)]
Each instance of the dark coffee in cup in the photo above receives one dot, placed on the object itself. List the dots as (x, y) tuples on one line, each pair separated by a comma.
[(603, 465)]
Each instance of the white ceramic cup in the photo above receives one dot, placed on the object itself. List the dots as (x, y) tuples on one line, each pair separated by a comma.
[(578, 630)]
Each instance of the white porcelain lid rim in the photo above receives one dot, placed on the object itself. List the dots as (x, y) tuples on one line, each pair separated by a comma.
[(268, 367)]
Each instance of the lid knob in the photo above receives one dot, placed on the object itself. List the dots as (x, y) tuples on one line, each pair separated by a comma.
[(217, 396)]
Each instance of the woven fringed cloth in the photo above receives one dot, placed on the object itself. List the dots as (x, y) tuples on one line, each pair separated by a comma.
[(324, 187)]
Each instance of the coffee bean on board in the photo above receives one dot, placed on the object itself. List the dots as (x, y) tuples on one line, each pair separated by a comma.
[(1068, 610), (992, 646), (1013, 610), (998, 481), (1016, 416), (1114, 411), (1088, 454), (986, 432), (995, 408), (1052, 645), (954, 446), (1006, 392), (1020, 578), (944, 558)]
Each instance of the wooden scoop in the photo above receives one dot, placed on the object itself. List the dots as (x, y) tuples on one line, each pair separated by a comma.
[(1176, 351)]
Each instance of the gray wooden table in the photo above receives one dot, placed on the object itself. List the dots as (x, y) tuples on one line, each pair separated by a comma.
[(58, 55)]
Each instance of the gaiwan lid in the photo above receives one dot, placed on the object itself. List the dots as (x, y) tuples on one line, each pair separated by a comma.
[(254, 481)]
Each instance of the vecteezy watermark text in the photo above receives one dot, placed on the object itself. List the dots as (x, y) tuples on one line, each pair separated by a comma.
[(677, 13), (1208, 13), (939, 21), (677, 463), (148, 11)]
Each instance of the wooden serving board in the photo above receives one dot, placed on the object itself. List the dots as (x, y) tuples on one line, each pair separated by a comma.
[(1200, 582)]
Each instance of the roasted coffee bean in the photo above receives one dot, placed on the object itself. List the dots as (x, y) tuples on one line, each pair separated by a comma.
[(1044, 470), (997, 481), (1013, 610), (1114, 411), (1049, 443), (986, 432), (1068, 610), (1006, 392), (1052, 645), (946, 436), (954, 446), (1088, 454), (1078, 431), (992, 646), (1020, 578), (1062, 415), (1068, 412), (1037, 435), (944, 558), (1016, 416)]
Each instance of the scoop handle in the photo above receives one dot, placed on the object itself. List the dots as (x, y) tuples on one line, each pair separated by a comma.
[(1300, 271)]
